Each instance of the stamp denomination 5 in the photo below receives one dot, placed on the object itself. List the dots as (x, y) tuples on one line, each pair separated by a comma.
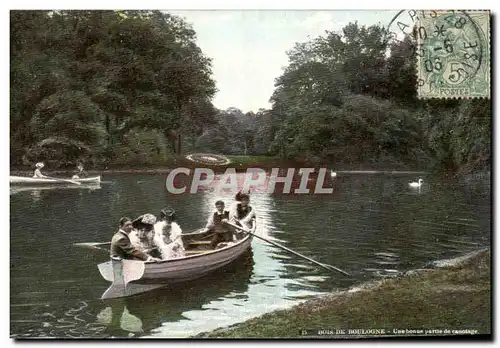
[(452, 49), (453, 54)]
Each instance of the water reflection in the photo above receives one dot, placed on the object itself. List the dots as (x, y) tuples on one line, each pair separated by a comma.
[(371, 226), (375, 227), (38, 194), (165, 311), (141, 315), (39, 189)]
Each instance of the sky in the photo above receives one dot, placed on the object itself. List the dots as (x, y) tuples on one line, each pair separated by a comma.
[(248, 48)]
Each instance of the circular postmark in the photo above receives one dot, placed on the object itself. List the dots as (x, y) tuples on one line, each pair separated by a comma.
[(449, 45)]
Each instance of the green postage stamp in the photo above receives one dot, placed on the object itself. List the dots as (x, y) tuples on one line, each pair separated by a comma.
[(453, 49)]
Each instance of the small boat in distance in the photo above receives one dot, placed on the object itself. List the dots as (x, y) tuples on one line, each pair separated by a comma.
[(130, 277), (23, 180)]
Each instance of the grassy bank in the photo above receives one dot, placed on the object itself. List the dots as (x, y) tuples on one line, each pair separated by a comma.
[(451, 297)]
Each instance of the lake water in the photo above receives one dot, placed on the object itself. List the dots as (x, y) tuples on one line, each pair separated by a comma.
[(371, 226)]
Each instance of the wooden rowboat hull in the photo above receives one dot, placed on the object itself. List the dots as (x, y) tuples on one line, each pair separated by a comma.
[(131, 277), (23, 180)]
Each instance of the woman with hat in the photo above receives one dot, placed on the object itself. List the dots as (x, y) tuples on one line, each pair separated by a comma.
[(168, 236), (241, 213), (142, 236), (38, 173)]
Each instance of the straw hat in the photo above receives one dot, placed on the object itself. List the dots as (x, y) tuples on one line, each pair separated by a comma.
[(148, 219), (39, 165)]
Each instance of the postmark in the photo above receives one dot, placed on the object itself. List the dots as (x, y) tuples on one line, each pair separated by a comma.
[(452, 49)]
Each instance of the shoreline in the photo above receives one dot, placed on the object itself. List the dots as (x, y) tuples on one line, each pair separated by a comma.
[(449, 279), (217, 170), (239, 162)]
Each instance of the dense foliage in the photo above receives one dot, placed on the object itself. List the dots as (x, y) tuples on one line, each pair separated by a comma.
[(105, 86), (128, 87), (350, 99)]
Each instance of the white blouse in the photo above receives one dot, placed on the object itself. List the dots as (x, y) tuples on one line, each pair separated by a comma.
[(246, 221)]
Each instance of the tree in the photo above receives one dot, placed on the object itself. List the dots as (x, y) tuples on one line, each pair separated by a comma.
[(132, 70), (350, 97)]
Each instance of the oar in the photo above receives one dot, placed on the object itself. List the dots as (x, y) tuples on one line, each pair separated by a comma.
[(92, 245), (66, 180), (328, 267), (97, 246)]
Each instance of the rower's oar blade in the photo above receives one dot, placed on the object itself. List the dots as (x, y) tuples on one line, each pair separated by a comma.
[(333, 268), (328, 267)]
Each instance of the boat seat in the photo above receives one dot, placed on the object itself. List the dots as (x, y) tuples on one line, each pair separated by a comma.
[(194, 252), (200, 242)]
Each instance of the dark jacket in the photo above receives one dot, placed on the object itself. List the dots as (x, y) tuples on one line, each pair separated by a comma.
[(122, 247), (215, 221)]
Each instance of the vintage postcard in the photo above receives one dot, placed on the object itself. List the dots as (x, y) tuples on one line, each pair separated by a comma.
[(246, 174)]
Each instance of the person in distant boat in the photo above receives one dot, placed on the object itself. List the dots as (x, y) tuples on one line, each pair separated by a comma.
[(241, 213), (143, 232), (168, 236), (38, 173), (216, 223), (122, 247), (80, 173)]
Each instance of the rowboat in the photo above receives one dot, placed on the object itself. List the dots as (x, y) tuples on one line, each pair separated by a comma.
[(140, 314), (23, 180), (130, 277)]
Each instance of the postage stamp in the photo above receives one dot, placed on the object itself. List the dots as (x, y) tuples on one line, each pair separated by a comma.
[(453, 50)]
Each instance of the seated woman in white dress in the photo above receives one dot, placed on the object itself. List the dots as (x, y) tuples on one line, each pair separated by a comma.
[(167, 237)]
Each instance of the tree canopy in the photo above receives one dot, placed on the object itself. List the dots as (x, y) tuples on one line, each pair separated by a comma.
[(350, 99), (132, 86), (86, 84)]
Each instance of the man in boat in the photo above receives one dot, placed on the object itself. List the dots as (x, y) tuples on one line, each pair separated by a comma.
[(122, 247), (168, 236), (80, 172), (216, 223), (38, 173), (241, 213)]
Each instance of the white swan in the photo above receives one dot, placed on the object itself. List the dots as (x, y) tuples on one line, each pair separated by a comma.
[(416, 184)]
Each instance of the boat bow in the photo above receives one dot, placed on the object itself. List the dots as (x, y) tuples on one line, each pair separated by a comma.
[(120, 273)]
